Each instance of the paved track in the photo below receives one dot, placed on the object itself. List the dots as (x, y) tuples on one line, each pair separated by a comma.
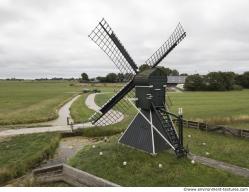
[(60, 124)]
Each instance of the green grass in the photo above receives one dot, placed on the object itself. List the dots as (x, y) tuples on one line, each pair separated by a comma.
[(175, 172), (31, 101), (20, 153), (227, 108), (79, 111), (101, 99), (221, 147), (240, 125), (108, 130), (142, 169)]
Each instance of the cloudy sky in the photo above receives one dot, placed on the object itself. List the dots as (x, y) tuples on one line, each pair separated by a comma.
[(48, 38)]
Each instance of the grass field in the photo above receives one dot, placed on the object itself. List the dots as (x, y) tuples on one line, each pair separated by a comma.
[(31, 101), (79, 111), (225, 148), (227, 108), (220, 147), (142, 169), (19, 154)]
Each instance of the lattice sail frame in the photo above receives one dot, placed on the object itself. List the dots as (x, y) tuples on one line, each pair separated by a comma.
[(106, 39), (116, 114), (176, 37)]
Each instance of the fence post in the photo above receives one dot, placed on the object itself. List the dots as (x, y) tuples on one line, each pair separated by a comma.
[(180, 127), (67, 120)]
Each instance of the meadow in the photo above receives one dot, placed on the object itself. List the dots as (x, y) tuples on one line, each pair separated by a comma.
[(142, 169), (224, 108), (79, 111), (24, 102), (29, 101), (21, 153), (221, 147)]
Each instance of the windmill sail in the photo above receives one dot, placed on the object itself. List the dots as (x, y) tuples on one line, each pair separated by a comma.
[(176, 37), (152, 129), (107, 113), (106, 39)]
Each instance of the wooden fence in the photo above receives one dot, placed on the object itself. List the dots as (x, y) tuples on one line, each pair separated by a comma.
[(215, 128)]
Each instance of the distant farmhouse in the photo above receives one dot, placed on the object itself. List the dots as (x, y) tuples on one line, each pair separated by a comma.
[(173, 81)]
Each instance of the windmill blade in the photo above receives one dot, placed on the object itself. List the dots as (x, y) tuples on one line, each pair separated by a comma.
[(176, 37), (106, 39), (107, 113)]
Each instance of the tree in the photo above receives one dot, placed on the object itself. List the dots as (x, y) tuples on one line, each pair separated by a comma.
[(194, 83), (120, 77), (183, 74), (174, 72), (214, 82), (101, 79), (243, 80), (84, 77), (228, 80), (111, 78), (220, 81), (166, 71), (246, 79), (144, 67)]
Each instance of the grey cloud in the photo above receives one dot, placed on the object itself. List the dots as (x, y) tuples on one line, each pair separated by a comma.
[(49, 38)]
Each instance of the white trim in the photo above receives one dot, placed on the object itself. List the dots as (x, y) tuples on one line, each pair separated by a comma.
[(144, 86), (128, 126), (157, 89), (133, 99), (153, 126), (152, 134)]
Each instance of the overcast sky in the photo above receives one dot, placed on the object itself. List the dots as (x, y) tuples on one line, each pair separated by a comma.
[(48, 38)]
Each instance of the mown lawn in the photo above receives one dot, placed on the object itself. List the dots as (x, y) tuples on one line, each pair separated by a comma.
[(33, 101), (79, 111), (20, 153), (142, 169), (108, 130), (227, 108), (220, 147), (101, 99)]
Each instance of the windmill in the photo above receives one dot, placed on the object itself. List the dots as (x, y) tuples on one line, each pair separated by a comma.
[(152, 129)]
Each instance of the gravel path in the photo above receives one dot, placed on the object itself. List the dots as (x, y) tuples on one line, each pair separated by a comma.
[(90, 103), (64, 112), (60, 124)]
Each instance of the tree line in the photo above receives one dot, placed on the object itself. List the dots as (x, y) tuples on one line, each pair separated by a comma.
[(217, 81), (121, 77)]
